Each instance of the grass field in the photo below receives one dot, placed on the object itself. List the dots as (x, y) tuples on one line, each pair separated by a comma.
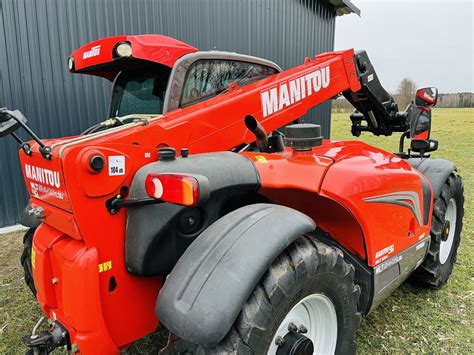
[(412, 320)]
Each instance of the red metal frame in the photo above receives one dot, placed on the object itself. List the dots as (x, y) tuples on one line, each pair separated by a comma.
[(81, 245)]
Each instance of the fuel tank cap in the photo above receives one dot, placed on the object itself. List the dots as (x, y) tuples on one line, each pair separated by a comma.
[(303, 136)]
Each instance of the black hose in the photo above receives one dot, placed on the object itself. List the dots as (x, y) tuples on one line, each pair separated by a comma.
[(92, 129), (110, 123), (95, 129)]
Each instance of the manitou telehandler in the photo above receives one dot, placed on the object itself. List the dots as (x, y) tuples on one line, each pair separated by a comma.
[(181, 208)]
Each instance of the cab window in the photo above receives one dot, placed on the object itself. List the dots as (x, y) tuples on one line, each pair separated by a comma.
[(209, 77), (140, 91)]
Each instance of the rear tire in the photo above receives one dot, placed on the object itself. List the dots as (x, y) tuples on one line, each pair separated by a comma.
[(438, 265), (26, 259), (307, 269)]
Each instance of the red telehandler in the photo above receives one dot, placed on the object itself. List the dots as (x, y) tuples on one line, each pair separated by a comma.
[(190, 207)]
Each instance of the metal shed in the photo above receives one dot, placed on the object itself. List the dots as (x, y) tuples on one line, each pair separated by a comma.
[(36, 38)]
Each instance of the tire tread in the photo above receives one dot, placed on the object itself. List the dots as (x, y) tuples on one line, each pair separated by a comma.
[(25, 260), (305, 255), (430, 274)]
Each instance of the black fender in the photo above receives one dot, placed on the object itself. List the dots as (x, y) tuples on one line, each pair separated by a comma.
[(155, 237), (210, 283), (436, 171), (29, 220)]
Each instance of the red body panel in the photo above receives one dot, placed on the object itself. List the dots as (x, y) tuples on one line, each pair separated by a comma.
[(45, 180), (338, 176), (68, 288), (362, 172)]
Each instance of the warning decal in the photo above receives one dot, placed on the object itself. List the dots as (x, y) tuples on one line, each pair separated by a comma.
[(116, 165)]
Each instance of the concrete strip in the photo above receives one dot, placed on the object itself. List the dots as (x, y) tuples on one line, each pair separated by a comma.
[(15, 228)]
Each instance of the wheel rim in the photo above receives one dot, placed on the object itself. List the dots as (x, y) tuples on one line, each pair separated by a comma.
[(318, 315), (446, 246)]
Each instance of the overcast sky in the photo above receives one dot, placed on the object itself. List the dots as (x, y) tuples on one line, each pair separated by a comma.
[(430, 42)]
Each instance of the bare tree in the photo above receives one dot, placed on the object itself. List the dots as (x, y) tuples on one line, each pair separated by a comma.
[(405, 93), (341, 105)]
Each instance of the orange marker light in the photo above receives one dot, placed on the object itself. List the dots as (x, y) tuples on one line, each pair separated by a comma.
[(173, 188)]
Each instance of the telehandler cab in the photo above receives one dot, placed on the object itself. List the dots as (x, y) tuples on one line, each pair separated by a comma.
[(182, 209)]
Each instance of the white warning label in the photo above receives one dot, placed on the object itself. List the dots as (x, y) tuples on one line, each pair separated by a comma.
[(116, 165)]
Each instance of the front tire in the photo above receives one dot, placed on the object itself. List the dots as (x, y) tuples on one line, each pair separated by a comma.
[(308, 274), (26, 259), (446, 227)]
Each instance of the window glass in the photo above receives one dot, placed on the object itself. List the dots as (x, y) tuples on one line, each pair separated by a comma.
[(208, 78), (140, 92)]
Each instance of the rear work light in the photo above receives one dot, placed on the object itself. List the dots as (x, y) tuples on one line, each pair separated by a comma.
[(124, 50), (173, 188)]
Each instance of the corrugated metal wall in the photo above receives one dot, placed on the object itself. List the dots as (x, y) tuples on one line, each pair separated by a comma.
[(36, 38)]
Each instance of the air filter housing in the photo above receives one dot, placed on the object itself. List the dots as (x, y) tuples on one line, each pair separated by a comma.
[(303, 136)]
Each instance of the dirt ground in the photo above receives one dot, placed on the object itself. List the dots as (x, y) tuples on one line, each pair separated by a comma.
[(412, 320)]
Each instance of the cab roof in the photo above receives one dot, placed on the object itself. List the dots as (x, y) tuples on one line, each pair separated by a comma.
[(99, 57)]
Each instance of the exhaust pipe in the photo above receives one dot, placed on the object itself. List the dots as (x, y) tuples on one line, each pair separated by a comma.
[(256, 128)]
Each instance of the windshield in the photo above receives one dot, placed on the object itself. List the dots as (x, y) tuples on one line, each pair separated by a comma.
[(140, 91)]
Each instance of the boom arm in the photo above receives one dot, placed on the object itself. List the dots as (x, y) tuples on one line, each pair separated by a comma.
[(373, 104), (290, 94), (287, 96)]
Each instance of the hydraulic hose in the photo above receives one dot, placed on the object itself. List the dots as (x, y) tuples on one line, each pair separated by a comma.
[(92, 129), (112, 122)]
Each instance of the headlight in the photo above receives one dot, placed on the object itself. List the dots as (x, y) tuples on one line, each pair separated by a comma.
[(124, 50)]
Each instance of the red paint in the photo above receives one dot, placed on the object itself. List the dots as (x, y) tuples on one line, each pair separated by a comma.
[(330, 183)]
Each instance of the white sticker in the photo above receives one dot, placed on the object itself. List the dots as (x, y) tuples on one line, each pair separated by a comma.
[(116, 165), (390, 262), (387, 250), (370, 78), (419, 246)]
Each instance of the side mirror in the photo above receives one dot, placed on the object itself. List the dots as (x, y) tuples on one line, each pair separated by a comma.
[(420, 122), (9, 121), (426, 97)]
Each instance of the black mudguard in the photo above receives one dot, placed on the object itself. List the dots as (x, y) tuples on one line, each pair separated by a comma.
[(436, 170), (155, 238), (207, 288)]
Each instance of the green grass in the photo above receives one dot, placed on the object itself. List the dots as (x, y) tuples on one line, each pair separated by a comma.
[(412, 320)]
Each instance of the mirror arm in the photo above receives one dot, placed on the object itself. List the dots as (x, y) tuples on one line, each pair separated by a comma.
[(402, 140), (24, 145), (44, 149), (18, 139)]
